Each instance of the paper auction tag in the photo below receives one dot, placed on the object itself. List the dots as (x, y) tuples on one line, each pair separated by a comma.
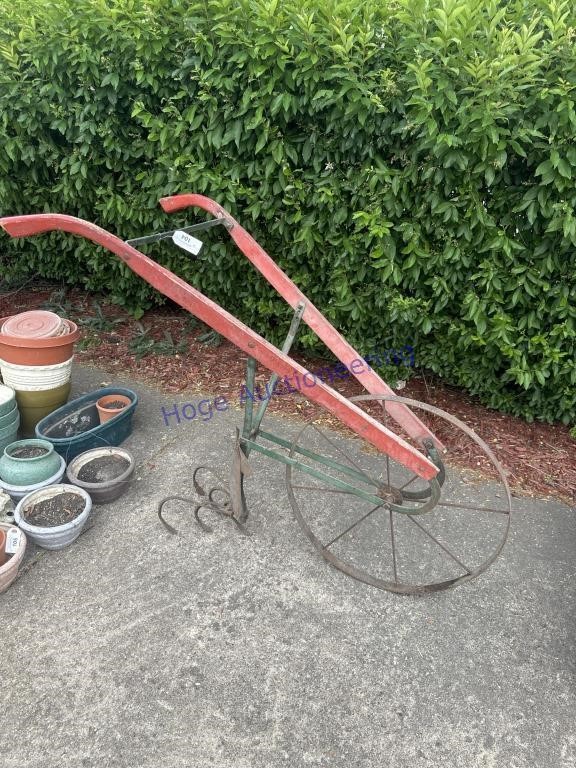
[(12, 541), (187, 242)]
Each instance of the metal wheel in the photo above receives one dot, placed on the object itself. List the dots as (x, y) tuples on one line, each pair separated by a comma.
[(378, 522)]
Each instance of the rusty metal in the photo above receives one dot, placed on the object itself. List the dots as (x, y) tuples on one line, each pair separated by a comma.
[(393, 510), (231, 506)]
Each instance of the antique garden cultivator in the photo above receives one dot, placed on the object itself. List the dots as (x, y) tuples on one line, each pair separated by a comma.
[(401, 500)]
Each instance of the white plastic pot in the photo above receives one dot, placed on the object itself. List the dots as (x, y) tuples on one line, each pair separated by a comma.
[(58, 536), (17, 492), (32, 378)]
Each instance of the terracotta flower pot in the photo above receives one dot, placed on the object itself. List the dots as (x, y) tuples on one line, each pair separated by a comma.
[(9, 570), (3, 555), (44, 351), (108, 408)]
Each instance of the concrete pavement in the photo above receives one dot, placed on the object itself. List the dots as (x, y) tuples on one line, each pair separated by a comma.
[(134, 648)]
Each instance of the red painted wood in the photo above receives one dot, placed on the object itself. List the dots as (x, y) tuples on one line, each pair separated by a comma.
[(230, 327), (335, 342)]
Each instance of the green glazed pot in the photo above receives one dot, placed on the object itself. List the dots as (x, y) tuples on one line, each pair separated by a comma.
[(28, 471), (7, 399), (9, 418)]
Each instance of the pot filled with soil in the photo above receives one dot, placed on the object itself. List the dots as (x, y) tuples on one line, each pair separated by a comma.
[(53, 517), (111, 405), (17, 492), (16, 539), (75, 428), (26, 462), (104, 472)]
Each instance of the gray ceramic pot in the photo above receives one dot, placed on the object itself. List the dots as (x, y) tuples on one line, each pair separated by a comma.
[(107, 487)]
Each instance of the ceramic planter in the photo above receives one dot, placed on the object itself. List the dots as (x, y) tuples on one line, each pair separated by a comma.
[(7, 399), (59, 536), (9, 570), (106, 487), (34, 406), (10, 418), (107, 406), (8, 433), (33, 378), (43, 351), (17, 492), (21, 470)]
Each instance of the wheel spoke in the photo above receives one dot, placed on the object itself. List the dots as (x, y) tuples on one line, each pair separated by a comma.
[(347, 530), (349, 458), (409, 482), (435, 540), (472, 508), (327, 490), (393, 547)]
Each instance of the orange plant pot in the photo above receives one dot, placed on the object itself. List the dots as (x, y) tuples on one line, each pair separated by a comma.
[(3, 555), (45, 351), (105, 412)]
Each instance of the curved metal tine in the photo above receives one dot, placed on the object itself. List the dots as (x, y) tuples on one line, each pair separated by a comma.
[(350, 527), (369, 479), (205, 527), (170, 528), (226, 506), (197, 487), (439, 543)]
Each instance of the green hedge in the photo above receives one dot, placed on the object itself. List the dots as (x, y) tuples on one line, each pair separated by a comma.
[(410, 164)]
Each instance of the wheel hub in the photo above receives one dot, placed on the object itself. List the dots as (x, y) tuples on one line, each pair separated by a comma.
[(391, 494)]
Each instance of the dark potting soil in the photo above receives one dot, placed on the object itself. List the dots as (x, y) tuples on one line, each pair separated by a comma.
[(56, 510), (28, 452), (115, 404), (102, 469)]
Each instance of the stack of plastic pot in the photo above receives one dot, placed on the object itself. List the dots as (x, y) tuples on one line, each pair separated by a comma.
[(36, 353), (9, 417)]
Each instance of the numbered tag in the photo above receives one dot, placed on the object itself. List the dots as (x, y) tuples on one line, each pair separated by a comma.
[(12, 541), (187, 242)]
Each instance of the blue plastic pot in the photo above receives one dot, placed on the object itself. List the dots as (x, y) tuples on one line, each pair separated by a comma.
[(75, 427)]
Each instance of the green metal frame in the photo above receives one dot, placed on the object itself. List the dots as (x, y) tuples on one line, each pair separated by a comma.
[(251, 431)]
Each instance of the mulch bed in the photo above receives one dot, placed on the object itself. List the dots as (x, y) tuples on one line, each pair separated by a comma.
[(540, 459), (57, 510)]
